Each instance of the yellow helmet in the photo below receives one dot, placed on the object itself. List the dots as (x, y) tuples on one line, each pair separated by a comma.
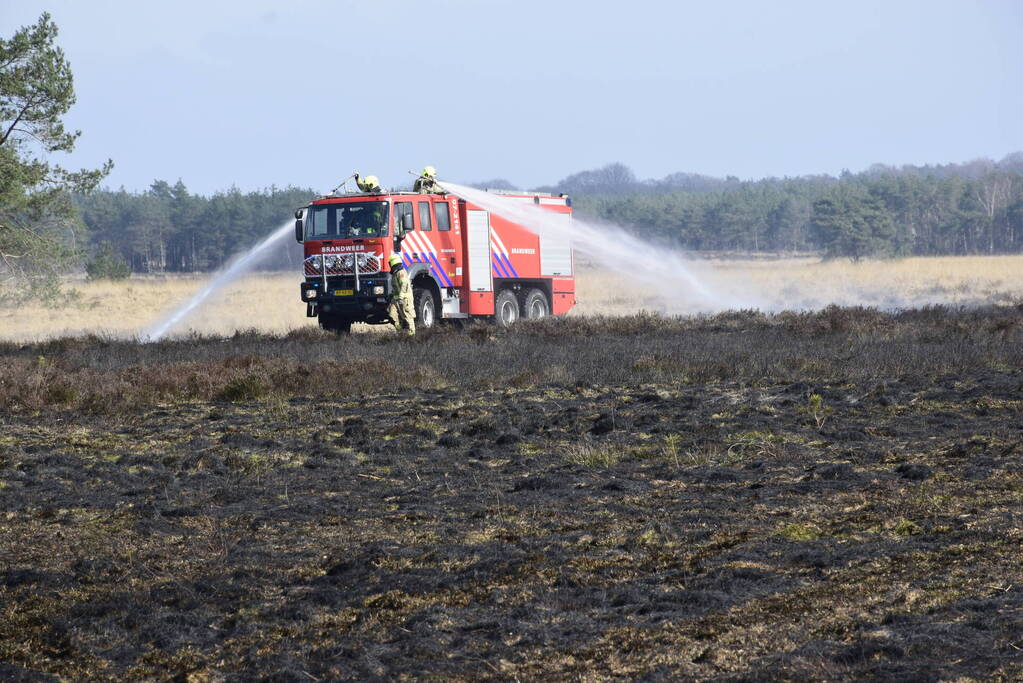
[(429, 171), (372, 181), (394, 260)]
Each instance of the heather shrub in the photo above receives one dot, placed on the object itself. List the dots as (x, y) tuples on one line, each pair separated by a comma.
[(109, 375)]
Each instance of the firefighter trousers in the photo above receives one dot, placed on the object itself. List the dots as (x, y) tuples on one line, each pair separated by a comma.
[(402, 313)]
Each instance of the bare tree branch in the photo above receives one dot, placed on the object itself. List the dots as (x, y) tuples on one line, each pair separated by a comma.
[(17, 119)]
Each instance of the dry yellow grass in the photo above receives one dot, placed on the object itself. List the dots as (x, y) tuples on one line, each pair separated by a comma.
[(269, 301), (810, 283), (266, 301)]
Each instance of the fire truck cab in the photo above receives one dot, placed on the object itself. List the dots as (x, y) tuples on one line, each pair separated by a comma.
[(464, 262)]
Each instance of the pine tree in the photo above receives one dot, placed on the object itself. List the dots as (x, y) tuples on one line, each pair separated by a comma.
[(37, 217)]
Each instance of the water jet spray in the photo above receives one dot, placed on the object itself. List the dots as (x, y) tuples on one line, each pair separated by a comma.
[(227, 274), (685, 285)]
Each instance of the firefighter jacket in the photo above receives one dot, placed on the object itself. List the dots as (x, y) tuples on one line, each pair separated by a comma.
[(401, 288), (426, 185), (365, 185)]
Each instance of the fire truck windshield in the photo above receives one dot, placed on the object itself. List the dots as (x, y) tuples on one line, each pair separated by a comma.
[(341, 221)]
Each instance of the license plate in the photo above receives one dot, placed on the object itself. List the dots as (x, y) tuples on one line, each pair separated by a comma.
[(344, 292)]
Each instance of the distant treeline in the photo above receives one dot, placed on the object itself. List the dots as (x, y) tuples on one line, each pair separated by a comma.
[(167, 229), (971, 208)]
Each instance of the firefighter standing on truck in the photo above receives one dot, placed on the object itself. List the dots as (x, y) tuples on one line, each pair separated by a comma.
[(426, 183), (368, 184), (401, 310)]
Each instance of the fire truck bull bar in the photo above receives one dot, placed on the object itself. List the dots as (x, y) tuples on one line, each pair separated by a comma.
[(353, 269)]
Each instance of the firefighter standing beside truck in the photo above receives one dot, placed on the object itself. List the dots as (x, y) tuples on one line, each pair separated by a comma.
[(401, 309)]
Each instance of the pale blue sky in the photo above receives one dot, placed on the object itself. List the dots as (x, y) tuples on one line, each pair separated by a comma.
[(302, 93)]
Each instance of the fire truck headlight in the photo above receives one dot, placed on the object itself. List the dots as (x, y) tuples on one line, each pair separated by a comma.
[(379, 289), (310, 294)]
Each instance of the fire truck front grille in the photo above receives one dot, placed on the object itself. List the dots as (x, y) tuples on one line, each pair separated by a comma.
[(342, 264)]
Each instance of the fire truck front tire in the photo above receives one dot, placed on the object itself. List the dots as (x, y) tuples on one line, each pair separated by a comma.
[(506, 308), (426, 308), (336, 324), (534, 305)]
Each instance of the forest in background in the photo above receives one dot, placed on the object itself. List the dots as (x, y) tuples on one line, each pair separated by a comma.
[(954, 209), (168, 229)]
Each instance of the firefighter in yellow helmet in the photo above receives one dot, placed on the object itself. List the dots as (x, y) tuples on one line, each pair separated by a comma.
[(368, 184), (426, 183), (402, 310)]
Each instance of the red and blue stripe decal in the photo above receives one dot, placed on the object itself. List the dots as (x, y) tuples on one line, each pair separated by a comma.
[(430, 259)]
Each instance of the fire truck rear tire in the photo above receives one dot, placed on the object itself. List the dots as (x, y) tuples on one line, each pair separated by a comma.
[(534, 305), (426, 308), (506, 308)]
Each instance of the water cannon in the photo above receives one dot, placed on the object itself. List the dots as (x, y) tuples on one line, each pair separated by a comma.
[(429, 171), (432, 176), (343, 183)]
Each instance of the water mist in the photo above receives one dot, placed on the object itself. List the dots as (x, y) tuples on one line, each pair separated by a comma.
[(685, 284)]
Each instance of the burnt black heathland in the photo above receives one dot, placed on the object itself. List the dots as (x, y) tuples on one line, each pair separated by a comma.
[(828, 495)]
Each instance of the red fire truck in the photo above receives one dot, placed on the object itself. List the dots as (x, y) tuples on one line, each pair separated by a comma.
[(464, 262)]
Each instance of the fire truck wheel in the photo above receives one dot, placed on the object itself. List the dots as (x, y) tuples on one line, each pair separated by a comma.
[(534, 305), (336, 324), (426, 308), (506, 308)]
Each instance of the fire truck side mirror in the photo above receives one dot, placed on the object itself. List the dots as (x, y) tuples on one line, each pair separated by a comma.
[(298, 230), (406, 223)]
